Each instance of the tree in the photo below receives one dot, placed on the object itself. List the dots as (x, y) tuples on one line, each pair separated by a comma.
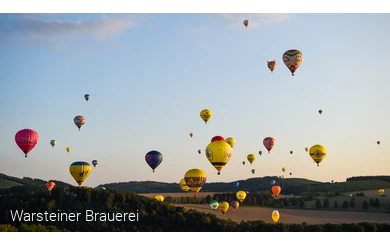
[(301, 203), (294, 202), (377, 204), (281, 204), (318, 203), (336, 204), (345, 204), (372, 203), (326, 203), (365, 205), (352, 203)]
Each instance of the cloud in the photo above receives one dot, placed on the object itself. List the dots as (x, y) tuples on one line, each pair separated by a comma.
[(256, 20), (29, 30), (189, 30)]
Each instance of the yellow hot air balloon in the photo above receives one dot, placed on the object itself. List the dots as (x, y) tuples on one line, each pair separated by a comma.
[(224, 207), (251, 157), (231, 141), (206, 114), (275, 216), (80, 171), (381, 192), (68, 149), (317, 153), (191, 134), (159, 198), (218, 152), (283, 169), (195, 179), (241, 195), (183, 185)]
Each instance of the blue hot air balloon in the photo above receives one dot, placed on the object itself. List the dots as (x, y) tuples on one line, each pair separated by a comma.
[(87, 96), (236, 184), (154, 159), (272, 182)]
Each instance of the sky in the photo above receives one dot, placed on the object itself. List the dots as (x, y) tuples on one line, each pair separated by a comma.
[(150, 74)]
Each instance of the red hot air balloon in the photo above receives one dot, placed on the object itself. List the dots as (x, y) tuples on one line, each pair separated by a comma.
[(217, 138), (26, 140), (269, 143)]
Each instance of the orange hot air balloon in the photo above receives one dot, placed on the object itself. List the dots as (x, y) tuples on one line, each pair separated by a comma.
[(50, 185), (306, 149), (271, 65), (276, 190)]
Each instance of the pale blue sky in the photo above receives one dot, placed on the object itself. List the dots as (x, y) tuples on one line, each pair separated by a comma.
[(149, 76)]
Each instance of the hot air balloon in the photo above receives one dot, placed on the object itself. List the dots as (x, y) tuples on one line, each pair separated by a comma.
[(214, 204), (283, 169), (154, 159), (243, 162), (50, 185), (79, 121), (260, 152), (290, 173), (293, 59), (191, 134), (53, 143), (80, 171), (234, 205), (206, 114), (275, 216), (269, 143), (199, 151), (291, 152), (183, 185), (317, 153), (271, 65), (159, 198), (94, 163), (87, 96), (26, 140), (224, 207), (272, 182), (68, 149), (218, 152), (378, 142), (246, 23), (195, 179), (231, 141), (276, 190), (241, 195), (381, 192), (320, 111), (217, 138), (236, 184), (253, 171), (251, 158), (306, 149)]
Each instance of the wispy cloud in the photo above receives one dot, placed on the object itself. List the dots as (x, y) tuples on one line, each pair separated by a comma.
[(256, 20), (29, 30)]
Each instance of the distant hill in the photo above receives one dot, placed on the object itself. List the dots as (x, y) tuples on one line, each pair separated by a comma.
[(296, 186)]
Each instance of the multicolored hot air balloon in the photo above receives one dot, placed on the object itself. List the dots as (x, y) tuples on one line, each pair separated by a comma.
[(276, 190), (206, 114), (275, 216), (218, 152), (317, 153), (214, 204), (50, 185), (251, 158), (224, 207), (159, 198), (241, 195), (246, 23), (183, 185), (231, 141), (80, 171), (269, 143), (234, 205), (53, 143), (68, 149), (79, 121), (293, 59), (87, 96), (94, 163), (26, 140), (236, 184), (271, 65), (195, 179), (153, 159)]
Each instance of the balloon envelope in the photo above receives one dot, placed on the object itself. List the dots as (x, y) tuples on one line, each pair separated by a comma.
[(275, 216), (94, 163), (214, 204), (246, 22), (26, 140), (183, 185), (153, 159), (241, 195), (87, 96), (195, 179), (271, 65), (317, 153), (269, 143), (231, 141), (80, 171), (159, 198), (234, 205), (79, 121), (218, 153), (251, 158), (224, 207), (53, 143), (276, 190), (68, 149), (293, 59), (236, 184), (50, 185), (206, 114), (272, 182)]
